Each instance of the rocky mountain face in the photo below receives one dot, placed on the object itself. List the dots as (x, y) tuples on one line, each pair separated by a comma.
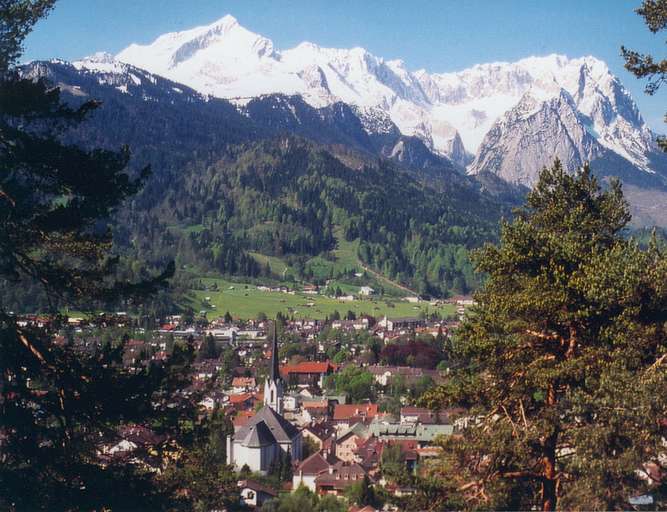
[(531, 135), (456, 115)]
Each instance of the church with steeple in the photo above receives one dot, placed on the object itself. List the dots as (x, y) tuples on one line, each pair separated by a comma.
[(268, 435), (273, 388)]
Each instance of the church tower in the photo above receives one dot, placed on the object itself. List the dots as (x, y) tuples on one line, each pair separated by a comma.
[(273, 389)]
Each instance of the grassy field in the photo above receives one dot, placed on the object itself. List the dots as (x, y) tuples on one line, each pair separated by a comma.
[(278, 266), (345, 262), (246, 301)]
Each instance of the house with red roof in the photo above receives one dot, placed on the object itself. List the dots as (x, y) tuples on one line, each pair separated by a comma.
[(241, 384), (345, 415), (307, 373), (310, 468), (245, 401), (338, 478)]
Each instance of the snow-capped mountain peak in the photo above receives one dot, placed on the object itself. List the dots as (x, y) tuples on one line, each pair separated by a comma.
[(452, 113), (200, 55)]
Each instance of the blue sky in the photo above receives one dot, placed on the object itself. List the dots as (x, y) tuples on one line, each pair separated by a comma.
[(438, 35)]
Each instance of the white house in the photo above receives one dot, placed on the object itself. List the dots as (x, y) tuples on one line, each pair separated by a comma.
[(254, 494), (366, 290)]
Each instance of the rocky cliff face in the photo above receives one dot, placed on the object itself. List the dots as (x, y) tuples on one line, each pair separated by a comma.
[(531, 135)]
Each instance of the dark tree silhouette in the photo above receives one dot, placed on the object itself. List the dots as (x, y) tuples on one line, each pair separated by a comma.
[(55, 202), (643, 65)]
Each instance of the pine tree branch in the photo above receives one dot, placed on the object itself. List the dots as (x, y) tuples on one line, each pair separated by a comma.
[(523, 413), (655, 365), (544, 336), (9, 199)]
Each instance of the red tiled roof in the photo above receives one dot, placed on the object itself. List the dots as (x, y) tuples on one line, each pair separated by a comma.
[(322, 404), (347, 411), (243, 381), (242, 418), (308, 367), (315, 464), (240, 398)]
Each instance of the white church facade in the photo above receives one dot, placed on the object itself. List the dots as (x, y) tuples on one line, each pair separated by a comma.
[(268, 435)]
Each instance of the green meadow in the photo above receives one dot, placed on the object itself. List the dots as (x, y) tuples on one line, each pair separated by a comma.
[(246, 301)]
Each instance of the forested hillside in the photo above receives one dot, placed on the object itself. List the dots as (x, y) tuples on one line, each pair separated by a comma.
[(285, 197), (230, 188)]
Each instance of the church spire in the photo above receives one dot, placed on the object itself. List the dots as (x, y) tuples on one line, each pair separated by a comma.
[(273, 388)]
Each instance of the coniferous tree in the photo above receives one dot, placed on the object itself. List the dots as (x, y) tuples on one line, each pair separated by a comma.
[(564, 357), (55, 202), (208, 348), (641, 65)]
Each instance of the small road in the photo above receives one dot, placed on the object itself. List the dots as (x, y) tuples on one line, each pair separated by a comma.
[(382, 278)]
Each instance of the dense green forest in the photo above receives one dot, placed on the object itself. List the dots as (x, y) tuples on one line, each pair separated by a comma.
[(285, 197)]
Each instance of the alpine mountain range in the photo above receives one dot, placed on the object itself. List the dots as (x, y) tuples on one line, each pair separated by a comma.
[(503, 119)]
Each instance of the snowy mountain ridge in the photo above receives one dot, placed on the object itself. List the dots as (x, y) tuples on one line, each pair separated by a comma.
[(452, 113)]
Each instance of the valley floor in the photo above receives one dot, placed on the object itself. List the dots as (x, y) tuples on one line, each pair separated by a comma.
[(247, 301)]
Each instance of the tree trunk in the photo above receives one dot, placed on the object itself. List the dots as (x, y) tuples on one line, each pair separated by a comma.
[(549, 484), (549, 461)]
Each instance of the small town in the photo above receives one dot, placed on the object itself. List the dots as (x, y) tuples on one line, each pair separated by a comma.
[(325, 405)]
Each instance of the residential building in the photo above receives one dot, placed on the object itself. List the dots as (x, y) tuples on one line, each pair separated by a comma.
[(338, 478), (307, 373), (254, 494), (366, 291), (308, 471), (346, 415), (402, 323)]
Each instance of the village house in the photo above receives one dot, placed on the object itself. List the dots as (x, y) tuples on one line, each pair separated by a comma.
[(135, 444), (369, 454), (361, 324), (253, 494), (245, 401), (207, 369), (338, 478), (426, 416), (309, 469), (291, 402), (346, 415), (401, 323), (366, 291), (241, 384), (307, 373), (347, 443), (321, 435), (314, 412), (462, 300)]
